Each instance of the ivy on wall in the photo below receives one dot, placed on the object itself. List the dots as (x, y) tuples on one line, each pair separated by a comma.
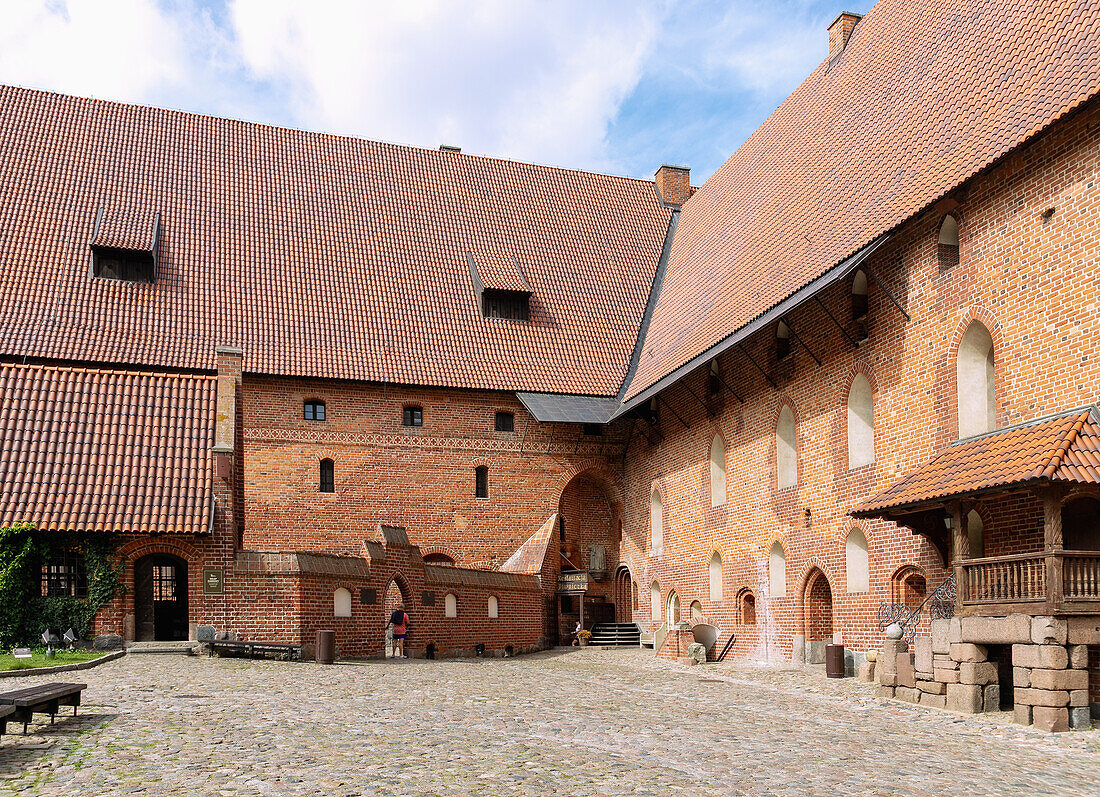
[(24, 612)]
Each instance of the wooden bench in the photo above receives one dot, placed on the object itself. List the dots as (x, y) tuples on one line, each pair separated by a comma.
[(46, 699), (293, 652), (5, 711)]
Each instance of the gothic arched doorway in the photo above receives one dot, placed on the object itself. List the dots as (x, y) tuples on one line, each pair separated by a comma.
[(817, 611), (394, 596), (589, 516), (160, 598), (625, 596)]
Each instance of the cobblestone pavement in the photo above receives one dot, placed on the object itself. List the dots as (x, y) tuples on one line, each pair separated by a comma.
[(585, 722)]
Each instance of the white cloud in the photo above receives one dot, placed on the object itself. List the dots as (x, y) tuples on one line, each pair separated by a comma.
[(121, 51), (531, 81)]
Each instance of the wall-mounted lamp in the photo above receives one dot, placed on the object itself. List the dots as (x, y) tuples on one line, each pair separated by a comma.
[(947, 523)]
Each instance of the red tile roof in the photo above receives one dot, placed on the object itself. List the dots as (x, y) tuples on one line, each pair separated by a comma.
[(924, 96), (1063, 448), (95, 450), (319, 255), (127, 228), (499, 271)]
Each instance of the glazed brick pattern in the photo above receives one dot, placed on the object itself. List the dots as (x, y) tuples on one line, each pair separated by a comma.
[(847, 157), (1027, 279)]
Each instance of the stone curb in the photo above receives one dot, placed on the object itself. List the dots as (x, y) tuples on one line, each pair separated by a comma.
[(82, 665)]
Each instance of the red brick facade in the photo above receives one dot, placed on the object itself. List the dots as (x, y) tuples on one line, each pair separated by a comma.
[(1029, 277)]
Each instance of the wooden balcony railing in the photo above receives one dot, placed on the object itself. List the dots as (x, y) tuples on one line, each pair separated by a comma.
[(1054, 578), (1081, 575), (1004, 579)]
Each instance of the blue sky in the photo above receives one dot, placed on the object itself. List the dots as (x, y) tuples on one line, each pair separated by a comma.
[(620, 87)]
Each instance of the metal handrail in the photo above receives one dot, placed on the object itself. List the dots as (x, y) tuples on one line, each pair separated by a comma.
[(940, 603)]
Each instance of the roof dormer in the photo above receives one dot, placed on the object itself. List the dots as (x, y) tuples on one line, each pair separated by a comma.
[(124, 244), (502, 289)]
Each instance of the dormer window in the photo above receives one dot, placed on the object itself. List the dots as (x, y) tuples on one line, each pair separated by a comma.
[(124, 245), (502, 289), (505, 304), (314, 410)]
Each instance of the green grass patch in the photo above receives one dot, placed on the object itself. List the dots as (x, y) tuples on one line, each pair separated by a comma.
[(38, 659)]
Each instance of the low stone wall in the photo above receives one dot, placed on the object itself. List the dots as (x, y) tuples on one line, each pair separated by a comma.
[(952, 669)]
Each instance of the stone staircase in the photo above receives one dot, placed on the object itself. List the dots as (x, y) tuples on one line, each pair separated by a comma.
[(162, 648), (615, 635)]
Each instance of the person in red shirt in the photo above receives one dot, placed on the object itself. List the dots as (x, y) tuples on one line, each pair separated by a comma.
[(399, 621)]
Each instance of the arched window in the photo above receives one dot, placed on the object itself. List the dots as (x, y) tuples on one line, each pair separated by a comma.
[(782, 340), (655, 603), (717, 471), (450, 605), (975, 374), (673, 609), (656, 534), (777, 570), (861, 423), (975, 534), (748, 608), (859, 295), (716, 577), (439, 560), (341, 603), (786, 456), (947, 250), (328, 476), (1081, 525), (494, 608), (481, 482), (696, 610), (856, 564), (714, 379)]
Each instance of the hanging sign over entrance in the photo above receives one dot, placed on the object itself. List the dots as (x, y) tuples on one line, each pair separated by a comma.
[(572, 582)]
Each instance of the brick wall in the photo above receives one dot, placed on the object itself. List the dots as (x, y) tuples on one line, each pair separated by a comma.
[(419, 477), (1031, 281)]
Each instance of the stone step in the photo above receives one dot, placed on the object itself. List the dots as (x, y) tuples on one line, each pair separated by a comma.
[(162, 648)]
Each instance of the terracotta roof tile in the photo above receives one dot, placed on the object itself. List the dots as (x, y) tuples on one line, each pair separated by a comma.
[(319, 255), (1063, 448), (93, 450), (924, 96), (499, 271), (127, 228)]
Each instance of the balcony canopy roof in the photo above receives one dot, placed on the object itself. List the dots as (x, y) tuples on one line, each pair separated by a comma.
[(1059, 448)]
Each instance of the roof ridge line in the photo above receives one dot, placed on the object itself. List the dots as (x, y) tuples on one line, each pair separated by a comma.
[(310, 132)]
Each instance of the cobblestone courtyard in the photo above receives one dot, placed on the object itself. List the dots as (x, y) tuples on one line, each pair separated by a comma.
[(581, 723)]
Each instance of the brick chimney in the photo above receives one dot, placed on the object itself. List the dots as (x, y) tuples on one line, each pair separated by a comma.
[(841, 30), (229, 364), (672, 184)]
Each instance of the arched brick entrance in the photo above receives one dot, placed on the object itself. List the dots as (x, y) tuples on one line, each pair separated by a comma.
[(818, 614), (589, 519)]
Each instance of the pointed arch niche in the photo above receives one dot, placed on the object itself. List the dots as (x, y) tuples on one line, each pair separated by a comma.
[(717, 471), (975, 373), (861, 423), (786, 453)]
